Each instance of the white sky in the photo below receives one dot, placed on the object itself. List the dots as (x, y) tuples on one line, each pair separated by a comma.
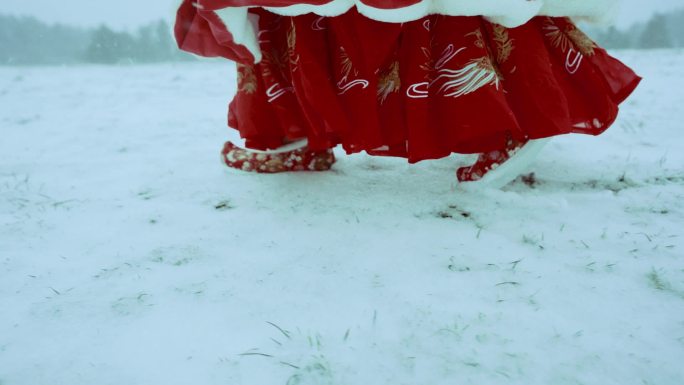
[(132, 13)]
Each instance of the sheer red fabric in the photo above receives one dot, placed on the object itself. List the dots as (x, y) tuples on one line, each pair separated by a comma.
[(420, 90)]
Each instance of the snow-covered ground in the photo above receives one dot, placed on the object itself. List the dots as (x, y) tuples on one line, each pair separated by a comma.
[(129, 255)]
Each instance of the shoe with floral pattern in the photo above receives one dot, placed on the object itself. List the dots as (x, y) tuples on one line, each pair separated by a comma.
[(301, 159)]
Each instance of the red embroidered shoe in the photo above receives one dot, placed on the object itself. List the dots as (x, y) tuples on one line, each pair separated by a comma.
[(496, 169), (271, 162)]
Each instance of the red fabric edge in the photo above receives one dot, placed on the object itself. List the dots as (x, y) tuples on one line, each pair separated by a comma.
[(202, 32)]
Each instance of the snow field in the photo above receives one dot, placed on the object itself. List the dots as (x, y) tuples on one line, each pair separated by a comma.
[(129, 255)]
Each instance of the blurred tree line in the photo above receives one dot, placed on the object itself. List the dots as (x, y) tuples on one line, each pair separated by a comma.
[(26, 40), (660, 31)]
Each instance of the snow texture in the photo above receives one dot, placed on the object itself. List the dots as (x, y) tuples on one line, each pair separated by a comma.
[(129, 255)]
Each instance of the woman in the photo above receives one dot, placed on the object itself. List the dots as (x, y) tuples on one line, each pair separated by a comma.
[(407, 78)]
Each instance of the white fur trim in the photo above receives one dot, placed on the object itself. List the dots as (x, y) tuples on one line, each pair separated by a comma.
[(243, 26), (509, 13), (297, 145)]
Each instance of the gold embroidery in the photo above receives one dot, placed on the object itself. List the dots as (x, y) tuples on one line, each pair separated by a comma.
[(429, 65), (479, 39), (247, 81), (389, 81), (571, 38), (485, 64), (474, 75), (275, 64), (347, 65), (556, 36), (291, 46), (346, 70), (505, 46), (504, 43), (583, 43)]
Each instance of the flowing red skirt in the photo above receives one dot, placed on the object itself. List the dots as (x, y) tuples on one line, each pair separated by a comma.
[(423, 89)]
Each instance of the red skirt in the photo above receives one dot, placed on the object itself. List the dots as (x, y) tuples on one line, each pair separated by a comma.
[(423, 89)]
